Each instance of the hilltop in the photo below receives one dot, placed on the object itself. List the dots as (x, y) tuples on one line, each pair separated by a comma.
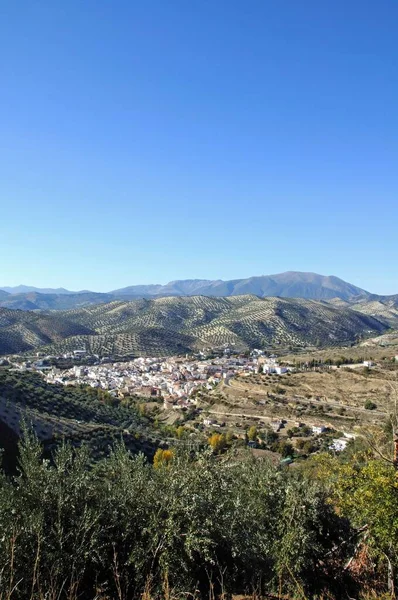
[(174, 325)]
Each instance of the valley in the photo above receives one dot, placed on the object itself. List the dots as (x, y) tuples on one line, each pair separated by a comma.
[(147, 367), (316, 396), (139, 392)]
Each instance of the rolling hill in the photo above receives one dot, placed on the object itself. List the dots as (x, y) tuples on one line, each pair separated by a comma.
[(385, 309), (24, 330), (386, 312), (174, 325)]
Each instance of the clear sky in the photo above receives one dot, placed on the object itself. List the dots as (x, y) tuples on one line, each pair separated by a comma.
[(144, 141)]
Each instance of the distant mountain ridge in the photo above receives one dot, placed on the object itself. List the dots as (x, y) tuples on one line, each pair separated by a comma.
[(285, 285), (45, 302), (27, 289), (292, 284)]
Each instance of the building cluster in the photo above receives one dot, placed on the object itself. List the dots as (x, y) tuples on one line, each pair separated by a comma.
[(173, 379)]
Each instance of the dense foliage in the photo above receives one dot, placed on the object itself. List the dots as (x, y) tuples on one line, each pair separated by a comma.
[(365, 490), (194, 522), (97, 522), (84, 403)]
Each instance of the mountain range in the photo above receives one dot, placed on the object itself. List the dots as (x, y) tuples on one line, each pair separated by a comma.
[(27, 289), (291, 284)]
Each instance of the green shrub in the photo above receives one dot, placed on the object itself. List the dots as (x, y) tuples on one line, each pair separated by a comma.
[(119, 527), (369, 405)]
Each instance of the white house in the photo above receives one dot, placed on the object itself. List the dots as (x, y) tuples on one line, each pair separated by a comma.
[(317, 429), (79, 353), (272, 367), (339, 444), (280, 370), (368, 363)]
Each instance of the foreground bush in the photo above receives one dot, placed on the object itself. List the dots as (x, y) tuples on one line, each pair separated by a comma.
[(365, 490), (192, 525)]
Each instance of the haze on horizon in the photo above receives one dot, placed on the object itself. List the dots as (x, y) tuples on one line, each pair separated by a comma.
[(143, 143)]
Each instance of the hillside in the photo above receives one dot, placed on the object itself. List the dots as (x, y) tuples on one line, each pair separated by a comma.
[(24, 330), (386, 312), (57, 412), (386, 340), (175, 325)]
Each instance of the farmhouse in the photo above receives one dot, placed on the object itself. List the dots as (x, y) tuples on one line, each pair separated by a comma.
[(318, 429), (339, 445)]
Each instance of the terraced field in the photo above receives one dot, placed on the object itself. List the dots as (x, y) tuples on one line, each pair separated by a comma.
[(181, 324)]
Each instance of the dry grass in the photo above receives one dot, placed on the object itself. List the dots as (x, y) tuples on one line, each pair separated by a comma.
[(335, 397)]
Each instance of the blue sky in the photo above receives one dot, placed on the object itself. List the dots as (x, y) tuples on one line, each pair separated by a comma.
[(168, 139)]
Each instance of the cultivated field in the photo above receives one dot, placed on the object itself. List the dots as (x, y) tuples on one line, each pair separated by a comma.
[(176, 325), (335, 397)]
